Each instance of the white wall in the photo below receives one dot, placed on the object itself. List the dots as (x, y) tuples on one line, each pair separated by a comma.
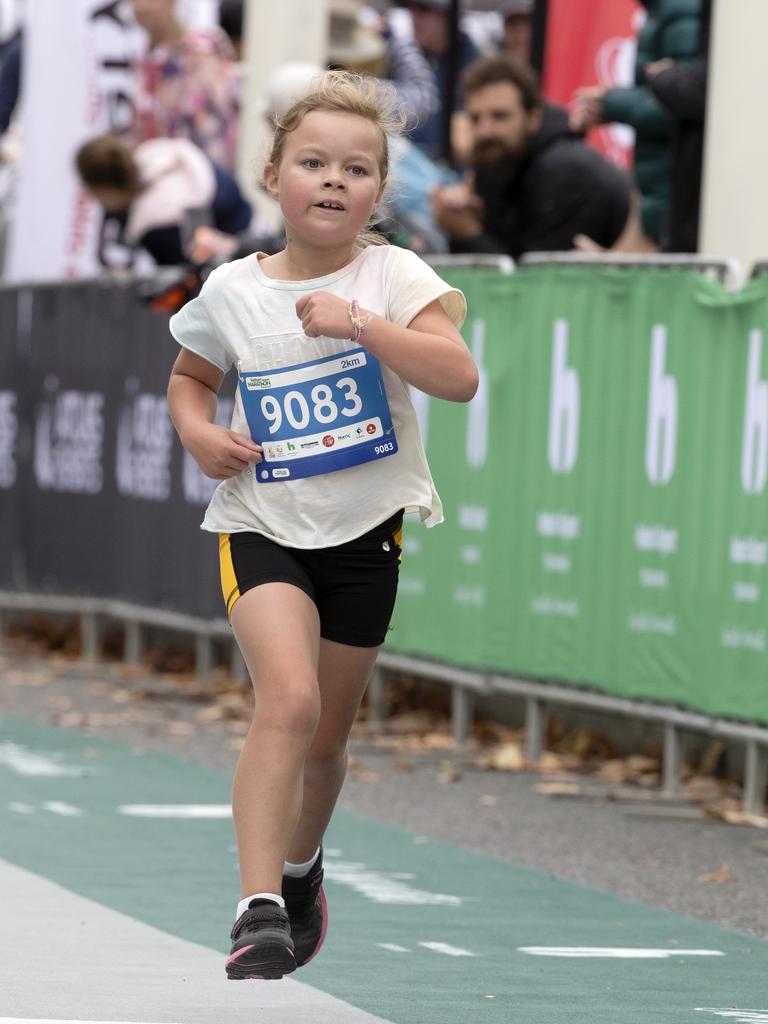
[(735, 193)]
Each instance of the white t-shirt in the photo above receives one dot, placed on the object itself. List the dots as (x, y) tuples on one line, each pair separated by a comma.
[(245, 318)]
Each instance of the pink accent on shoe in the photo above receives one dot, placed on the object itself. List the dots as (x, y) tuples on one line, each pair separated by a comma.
[(239, 953), (324, 905)]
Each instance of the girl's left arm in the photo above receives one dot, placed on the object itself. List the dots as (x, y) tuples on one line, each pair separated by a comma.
[(429, 353)]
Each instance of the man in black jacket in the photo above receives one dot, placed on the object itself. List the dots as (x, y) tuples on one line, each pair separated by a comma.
[(534, 185)]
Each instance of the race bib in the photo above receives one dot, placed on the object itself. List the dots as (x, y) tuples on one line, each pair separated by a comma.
[(318, 417)]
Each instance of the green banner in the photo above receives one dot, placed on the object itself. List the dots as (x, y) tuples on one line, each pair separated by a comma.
[(605, 492)]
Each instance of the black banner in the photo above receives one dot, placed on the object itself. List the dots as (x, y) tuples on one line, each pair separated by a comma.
[(97, 497)]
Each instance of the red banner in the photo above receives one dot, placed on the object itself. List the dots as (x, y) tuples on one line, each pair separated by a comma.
[(592, 42)]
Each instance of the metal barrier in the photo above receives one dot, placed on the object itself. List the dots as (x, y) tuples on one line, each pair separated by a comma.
[(465, 685), (726, 270)]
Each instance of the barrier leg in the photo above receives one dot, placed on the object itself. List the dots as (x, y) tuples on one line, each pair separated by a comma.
[(237, 667), (378, 704), (755, 778), (133, 643), (89, 636), (673, 760), (535, 728), (203, 657), (462, 711)]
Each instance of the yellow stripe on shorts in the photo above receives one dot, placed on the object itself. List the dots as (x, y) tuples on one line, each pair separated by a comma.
[(229, 585), (399, 542)]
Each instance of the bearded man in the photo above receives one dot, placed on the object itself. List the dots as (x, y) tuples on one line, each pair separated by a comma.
[(533, 184)]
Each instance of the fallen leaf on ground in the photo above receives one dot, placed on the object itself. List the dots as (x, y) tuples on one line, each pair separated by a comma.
[(508, 758), (722, 875), (448, 772)]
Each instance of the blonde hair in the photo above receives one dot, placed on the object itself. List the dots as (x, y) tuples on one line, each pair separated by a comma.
[(342, 92)]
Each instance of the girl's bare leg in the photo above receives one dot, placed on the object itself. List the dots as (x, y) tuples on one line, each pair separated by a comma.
[(343, 674), (278, 630)]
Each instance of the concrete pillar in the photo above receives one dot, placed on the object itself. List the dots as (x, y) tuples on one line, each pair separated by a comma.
[(273, 34), (734, 212)]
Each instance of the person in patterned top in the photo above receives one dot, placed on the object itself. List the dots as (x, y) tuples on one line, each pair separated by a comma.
[(188, 86)]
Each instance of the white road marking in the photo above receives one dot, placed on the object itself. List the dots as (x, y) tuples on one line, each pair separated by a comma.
[(28, 762), (444, 947), (20, 808), (628, 953), (384, 889), (393, 947), (64, 809), (176, 811), (740, 1016)]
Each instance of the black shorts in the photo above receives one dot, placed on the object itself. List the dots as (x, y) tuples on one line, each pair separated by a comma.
[(353, 585)]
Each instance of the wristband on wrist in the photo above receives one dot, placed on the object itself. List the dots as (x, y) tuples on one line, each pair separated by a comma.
[(359, 322)]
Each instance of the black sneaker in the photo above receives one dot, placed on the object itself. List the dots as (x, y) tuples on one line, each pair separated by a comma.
[(261, 943), (307, 910)]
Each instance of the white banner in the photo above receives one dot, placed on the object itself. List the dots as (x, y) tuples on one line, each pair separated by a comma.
[(77, 82)]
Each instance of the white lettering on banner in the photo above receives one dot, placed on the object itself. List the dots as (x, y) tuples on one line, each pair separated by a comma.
[(471, 554), (748, 551), (410, 586), (69, 436), (9, 425), (411, 545), (553, 562), (749, 593), (661, 428), (649, 622), (656, 538), (564, 402), (547, 605), (558, 524), (101, 42), (198, 488), (754, 449), (743, 639), (468, 595), (473, 517), (478, 412), (654, 578), (143, 464)]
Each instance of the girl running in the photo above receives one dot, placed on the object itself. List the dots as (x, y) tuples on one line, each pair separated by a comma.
[(323, 457)]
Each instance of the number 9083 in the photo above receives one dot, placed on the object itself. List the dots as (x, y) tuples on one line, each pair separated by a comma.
[(382, 449)]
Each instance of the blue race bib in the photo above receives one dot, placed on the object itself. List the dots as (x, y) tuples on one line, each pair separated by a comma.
[(318, 417)]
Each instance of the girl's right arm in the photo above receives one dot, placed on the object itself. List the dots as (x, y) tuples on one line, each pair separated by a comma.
[(192, 391)]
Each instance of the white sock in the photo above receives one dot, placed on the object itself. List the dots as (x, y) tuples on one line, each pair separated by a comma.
[(299, 870), (242, 906)]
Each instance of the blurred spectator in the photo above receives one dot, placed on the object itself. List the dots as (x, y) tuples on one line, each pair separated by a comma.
[(188, 85), (10, 79), (671, 30), (431, 30), (682, 91), (231, 22), (363, 42), (159, 192), (533, 185), (518, 28)]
